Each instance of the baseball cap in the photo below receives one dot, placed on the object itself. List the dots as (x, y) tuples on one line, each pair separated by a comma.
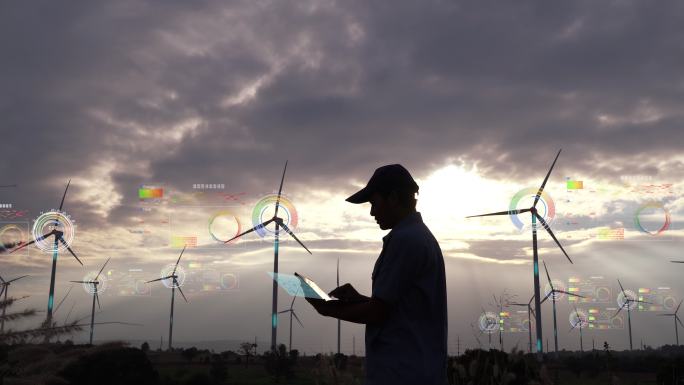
[(385, 179)]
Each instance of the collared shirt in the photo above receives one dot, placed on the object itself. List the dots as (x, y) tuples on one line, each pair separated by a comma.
[(410, 346)]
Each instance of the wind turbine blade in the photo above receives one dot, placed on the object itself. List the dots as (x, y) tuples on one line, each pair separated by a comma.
[(548, 230), (618, 312), (178, 261), (284, 311), (640, 301), (678, 320), (541, 189), (181, 291), (69, 248), (118, 323), (65, 297), (547, 276), (621, 288), (2, 279), (16, 279), (509, 212), (80, 281), (570, 294), (547, 297), (69, 313), (287, 229), (677, 261), (280, 190), (160, 279), (261, 225), (294, 297), (97, 298), (678, 306), (297, 318), (24, 245), (64, 196), (103, 266), (663, 315)]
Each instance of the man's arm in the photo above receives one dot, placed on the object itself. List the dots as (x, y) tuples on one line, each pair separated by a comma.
[(368, 311)]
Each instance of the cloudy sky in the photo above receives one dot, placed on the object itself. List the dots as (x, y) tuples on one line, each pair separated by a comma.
[(474, 98)]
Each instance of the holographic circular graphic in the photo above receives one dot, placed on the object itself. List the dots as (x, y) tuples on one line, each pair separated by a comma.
[(89, 287), (142, 288), (229, 281), (622, 299), (264, 209), (578, 319), (602, 294), (221, 226), (11, 236), (558, 285), (526, 325), (618, 322), (650, 208), (669, 303), (53, 220), (167, 270), (547, 209), (488, 322)]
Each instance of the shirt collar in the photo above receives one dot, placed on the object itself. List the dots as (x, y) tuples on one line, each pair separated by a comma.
[(409, 219)]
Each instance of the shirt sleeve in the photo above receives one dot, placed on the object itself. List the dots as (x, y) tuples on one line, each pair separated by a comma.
[(400, 269)]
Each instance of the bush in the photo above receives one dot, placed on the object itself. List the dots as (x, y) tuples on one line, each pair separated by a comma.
[(111, 365)]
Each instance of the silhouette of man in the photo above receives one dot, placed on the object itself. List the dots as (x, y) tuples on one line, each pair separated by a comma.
[(406, 314)]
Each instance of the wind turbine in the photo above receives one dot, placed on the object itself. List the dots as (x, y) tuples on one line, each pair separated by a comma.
[(292, 313), (96, 297), (489, 323), (58, 239), (578, 323), (676, 319), (174, 285), (339, 323), (552, 294), (535, 257), (278, 224), (5, 287), (479, 343), (500, 303), (530, 312), (628, 304)]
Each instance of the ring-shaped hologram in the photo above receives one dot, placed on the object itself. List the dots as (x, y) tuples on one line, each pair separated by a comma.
[(547, 210), (647, 206), (220, 224), (263, 211), (622, 299), (89, 287), (578, 319), (53, 220), (12, 235), (488, 322), (167, 270)]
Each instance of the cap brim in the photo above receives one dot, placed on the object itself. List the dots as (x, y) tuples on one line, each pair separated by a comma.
[(361, 196)]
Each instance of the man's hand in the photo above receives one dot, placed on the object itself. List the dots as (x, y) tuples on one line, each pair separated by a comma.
[(347, 292), (322, 306)]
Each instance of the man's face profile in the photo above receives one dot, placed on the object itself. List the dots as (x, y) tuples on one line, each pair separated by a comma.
[(383, 210)]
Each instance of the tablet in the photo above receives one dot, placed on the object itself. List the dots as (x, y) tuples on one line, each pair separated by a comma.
[(299, 286), (309, 285)]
